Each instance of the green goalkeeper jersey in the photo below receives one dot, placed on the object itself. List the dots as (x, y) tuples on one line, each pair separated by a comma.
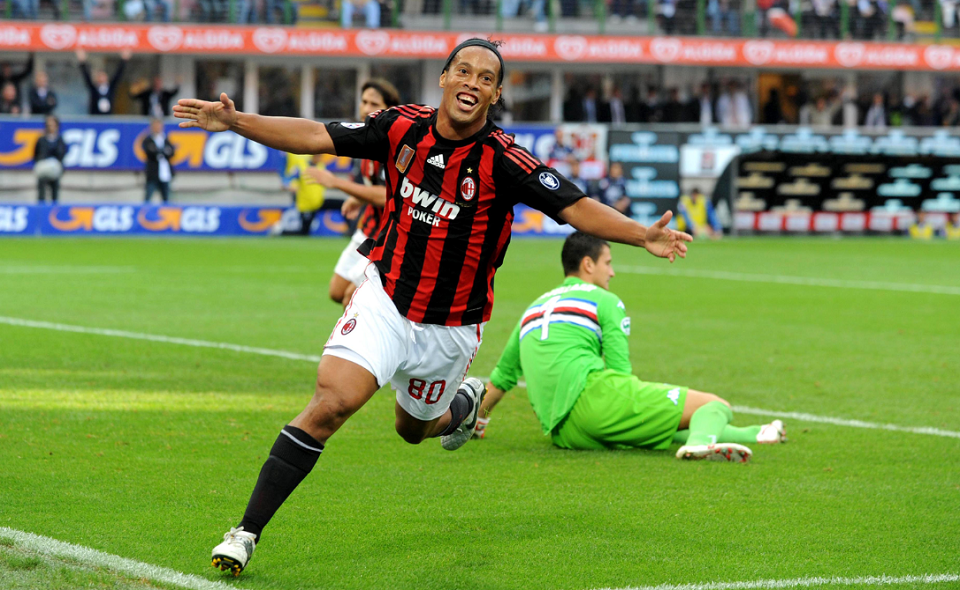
[(565, 335)]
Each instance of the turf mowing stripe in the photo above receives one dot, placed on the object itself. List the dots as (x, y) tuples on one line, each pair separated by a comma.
[(66, 270), (843, 422), (791, 280), (85, 555), (805, 583), (153, 338), (315, 359)]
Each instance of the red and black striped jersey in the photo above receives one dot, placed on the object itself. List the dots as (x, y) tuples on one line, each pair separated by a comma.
[(449, 209), (370, 173)]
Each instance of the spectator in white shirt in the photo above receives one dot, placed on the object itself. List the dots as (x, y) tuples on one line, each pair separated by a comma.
[(849, 111), (877, 115), (705, 106), (733, 107), (618, 113)]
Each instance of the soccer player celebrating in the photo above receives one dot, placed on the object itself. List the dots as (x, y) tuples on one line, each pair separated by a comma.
[(452, 180), (366, 196), (571, 345)]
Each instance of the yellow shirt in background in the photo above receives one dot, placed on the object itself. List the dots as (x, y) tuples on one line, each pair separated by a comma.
[(309, 193), (921, 232), (696, 212)]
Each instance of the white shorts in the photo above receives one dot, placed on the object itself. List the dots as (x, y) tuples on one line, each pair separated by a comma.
[(351, 263), (424, 363)]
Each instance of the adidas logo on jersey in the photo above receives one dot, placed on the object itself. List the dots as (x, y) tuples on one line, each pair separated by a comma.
[(437, 161)]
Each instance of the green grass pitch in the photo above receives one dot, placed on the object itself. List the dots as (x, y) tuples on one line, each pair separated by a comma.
[(149, 450)]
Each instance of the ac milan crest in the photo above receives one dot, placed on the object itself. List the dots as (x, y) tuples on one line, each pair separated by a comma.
[(468, 189), (348, 327)]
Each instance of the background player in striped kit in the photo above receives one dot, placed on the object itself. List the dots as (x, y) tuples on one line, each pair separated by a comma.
[(572, 346), (452, 178), (366, 196)]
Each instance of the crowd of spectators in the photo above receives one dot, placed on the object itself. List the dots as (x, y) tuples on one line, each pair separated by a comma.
[(827, 19), (102, 88), (50, 148), (731, 107), (878, 110), (224, 11), (727, 103)]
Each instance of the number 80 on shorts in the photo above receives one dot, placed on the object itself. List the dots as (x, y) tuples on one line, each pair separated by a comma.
[(431, 394)]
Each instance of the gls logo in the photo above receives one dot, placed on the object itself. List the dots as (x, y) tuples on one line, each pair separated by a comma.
[(13, 219), (97, 219), (89, 148), (441, 209)]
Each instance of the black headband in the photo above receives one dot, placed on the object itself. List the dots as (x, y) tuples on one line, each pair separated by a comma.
[(476, 43)]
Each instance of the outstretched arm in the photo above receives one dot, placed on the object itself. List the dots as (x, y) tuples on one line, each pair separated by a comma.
[(607, 223), (287, 134), (124, 58), (490, 400), (84, 68), (16, 78)]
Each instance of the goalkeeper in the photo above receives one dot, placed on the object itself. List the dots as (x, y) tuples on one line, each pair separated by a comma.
[(571, 346)]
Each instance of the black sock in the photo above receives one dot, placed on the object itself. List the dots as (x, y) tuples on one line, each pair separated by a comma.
[(291, 459), (459, 408)]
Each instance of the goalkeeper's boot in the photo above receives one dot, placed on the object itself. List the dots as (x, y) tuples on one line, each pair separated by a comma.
[(235, 552), (475, 389), (772, 433), (730, 452)]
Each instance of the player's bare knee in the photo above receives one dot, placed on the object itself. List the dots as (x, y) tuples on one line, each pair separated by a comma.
[(716, 398), (703, 398), (329, 407), (331, 412)]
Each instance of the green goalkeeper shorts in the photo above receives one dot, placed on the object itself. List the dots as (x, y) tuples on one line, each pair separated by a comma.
[(618, 411)]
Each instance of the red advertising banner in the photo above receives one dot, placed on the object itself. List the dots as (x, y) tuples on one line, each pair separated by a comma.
[(253, 40), (830, 222)]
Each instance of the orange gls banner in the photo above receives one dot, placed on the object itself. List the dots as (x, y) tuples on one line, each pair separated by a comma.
[(254, 40)]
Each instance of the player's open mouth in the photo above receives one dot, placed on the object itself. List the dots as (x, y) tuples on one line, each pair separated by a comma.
[(466, 101)]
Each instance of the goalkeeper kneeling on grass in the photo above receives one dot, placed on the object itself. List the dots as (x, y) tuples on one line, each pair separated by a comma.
[(571, 347)]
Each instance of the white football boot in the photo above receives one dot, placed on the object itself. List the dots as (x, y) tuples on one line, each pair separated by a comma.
[(235, 552), (476, 390), (772, 433), (730, 452)]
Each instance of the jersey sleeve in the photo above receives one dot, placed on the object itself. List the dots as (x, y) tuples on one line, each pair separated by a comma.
[(616, 331), (536, 184), (369, 139), (508, 370)]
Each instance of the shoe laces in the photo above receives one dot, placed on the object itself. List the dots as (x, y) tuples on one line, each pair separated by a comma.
[(233, 537)]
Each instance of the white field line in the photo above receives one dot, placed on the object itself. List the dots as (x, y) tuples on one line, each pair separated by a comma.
[(65, 270), (803, 417), (154, 338), (791, 280), (805, 583), (87, 556)]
